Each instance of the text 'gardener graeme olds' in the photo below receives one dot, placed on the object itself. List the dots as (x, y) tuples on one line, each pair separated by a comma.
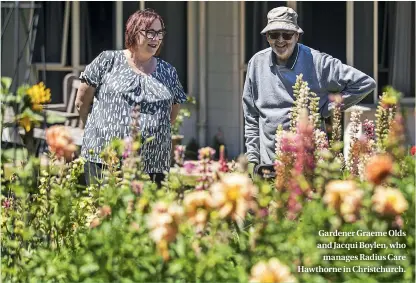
[(336, 233)]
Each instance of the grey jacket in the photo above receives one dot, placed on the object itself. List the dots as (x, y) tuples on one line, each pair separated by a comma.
[(268, 93)]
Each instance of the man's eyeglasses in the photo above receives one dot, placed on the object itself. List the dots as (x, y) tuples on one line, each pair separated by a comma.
[(275, 35), (151, 34)]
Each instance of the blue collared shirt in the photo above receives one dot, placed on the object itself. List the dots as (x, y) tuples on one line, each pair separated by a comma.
[(268, 93)]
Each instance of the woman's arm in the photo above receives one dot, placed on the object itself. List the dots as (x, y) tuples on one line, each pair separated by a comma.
[(85, 96), (174, 113)]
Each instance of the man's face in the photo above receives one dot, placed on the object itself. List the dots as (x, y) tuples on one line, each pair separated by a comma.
[(282, 42)]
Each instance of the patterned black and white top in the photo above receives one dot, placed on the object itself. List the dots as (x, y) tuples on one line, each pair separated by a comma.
[(118, 90)]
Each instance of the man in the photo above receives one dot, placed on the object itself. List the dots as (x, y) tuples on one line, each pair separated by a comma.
[(271, 74)]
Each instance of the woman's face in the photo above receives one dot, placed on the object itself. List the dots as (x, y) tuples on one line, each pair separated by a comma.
[(151, 38)]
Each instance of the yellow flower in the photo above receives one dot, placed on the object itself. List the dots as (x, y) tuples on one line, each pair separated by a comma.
[(233, 196), (271, 271), (388, 201), (390, 97), (25, 123), (389, 100), (39, 95)]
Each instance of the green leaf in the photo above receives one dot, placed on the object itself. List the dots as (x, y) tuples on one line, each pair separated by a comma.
[(53, 118), (21, 91), (89, 268), (21, 154), (175, 268), (29, 113), (6, 82), (9, 99)]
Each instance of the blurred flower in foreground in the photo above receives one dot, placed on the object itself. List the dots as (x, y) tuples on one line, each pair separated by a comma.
[(163, 223), (345, 198), (388, 201), (197, 205), (233, 196), (271, 271), (60, 142), (378, 168)]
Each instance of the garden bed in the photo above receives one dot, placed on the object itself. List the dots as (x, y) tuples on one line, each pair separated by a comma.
[(216, 224)]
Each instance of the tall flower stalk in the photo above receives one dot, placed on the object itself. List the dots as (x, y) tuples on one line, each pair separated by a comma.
[(336, 119), (301, 93), (205, 157), (354, 152), (295, 162), (314, 115), (385, 113)]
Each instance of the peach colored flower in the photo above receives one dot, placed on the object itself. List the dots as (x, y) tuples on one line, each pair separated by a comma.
[(345, 198), (233, 196), (388, 201), (60, 142), (271, 271), (95, 222), (163, 223), (105, 211), (351, 204), (336, 191), (197, 205), (378, 168)]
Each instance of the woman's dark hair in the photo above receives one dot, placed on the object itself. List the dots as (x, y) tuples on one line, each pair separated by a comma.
[(135, 22)]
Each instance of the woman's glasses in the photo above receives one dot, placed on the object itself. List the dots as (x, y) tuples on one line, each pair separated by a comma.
[(275, 35), (151, 34)]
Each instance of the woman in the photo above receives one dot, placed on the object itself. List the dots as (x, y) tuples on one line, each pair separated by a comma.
[(119, 80)]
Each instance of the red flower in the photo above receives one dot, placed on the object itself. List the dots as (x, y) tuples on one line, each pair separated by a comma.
[(413, 150)]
